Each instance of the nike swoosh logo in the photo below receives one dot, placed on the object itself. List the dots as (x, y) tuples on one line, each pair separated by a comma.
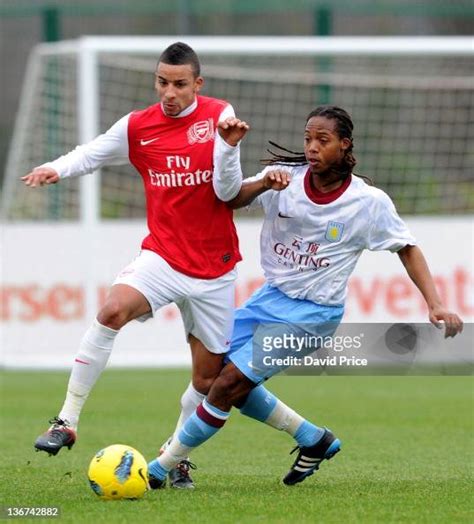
[(146, 142), (283, 216)]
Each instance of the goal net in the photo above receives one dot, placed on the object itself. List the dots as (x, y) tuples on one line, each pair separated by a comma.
[(411, 101)]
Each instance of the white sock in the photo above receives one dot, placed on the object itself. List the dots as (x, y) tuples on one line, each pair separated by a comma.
[(175, 453), (264, 406), (190, 400), (90, 361), (284, 418)]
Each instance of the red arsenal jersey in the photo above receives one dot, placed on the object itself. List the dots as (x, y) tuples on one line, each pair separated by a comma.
[(189, 226)]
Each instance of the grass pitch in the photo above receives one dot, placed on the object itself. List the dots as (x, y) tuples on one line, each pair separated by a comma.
[(407, 451)]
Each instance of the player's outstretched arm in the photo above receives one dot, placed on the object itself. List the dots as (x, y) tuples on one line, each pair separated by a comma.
[(41, 176), (276, 179), (110, 148), (415, 264)]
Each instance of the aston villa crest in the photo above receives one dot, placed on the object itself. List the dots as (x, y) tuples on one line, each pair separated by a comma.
[(334, 231), (201, 132)]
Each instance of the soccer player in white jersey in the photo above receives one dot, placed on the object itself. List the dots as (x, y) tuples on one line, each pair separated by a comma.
[(319, 217), (171, 145)]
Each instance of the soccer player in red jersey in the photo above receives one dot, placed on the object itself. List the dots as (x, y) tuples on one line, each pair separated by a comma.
[(190, 253)]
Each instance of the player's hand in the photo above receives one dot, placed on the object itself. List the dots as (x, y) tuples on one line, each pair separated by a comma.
[(452, 322), (232, 130), (41, 176), (276, 179)]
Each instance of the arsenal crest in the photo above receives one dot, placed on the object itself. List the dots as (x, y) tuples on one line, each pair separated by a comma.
[(201, 132)]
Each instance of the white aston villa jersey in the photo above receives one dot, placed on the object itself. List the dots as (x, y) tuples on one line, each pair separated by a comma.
[(309, 249)]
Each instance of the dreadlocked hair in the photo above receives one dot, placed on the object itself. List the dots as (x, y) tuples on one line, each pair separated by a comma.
[(296, 158), (344, 128)]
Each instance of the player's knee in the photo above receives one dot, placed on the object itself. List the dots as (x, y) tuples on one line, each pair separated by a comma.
[(202, 384), (113, 315), (204, 376), (227, 386)]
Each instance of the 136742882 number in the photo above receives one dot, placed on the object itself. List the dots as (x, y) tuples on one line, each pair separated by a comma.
[(29, 511)]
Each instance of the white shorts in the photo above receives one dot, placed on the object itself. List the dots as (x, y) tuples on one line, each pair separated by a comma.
[(207, 306)]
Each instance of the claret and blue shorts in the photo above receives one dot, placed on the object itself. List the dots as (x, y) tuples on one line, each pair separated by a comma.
[(271, 327)]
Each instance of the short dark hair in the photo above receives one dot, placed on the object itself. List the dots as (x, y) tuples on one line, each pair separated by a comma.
[(180, 53)]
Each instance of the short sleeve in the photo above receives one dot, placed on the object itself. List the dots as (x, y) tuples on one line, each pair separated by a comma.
[(388, 231)]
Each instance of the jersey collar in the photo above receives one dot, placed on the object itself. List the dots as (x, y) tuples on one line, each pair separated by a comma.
[(318, 197), (184, 112)]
